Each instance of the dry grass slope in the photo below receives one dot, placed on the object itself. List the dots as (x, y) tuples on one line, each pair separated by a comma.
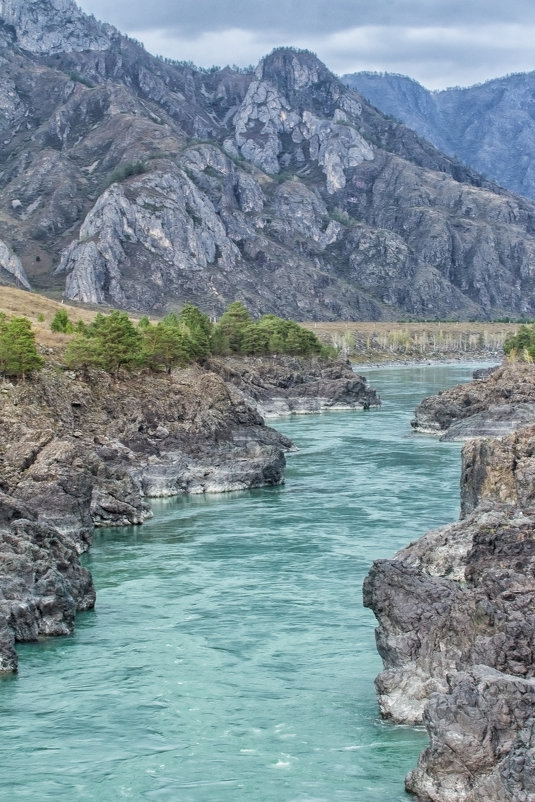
[(361, 342)]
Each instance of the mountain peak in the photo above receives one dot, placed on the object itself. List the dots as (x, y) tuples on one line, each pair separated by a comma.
[(54, 26), (292, 69)]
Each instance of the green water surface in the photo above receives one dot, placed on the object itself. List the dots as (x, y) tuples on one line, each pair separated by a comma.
[(229, 658)]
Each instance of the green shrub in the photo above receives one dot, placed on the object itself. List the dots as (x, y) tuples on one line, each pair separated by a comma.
[(61, 322), (124, 171)]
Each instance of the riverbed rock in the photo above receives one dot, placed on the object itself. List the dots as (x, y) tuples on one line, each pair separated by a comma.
[(456, 616), (42, 584), (496, 404), (286, 385), (482, 741)]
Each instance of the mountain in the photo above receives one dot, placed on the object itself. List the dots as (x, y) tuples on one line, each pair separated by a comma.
[(490, 126), (138, 182)]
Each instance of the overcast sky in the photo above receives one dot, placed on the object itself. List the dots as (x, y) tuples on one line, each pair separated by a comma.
[(439, 42)]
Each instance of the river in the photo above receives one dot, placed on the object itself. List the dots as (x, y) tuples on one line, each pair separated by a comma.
[(229, 658)]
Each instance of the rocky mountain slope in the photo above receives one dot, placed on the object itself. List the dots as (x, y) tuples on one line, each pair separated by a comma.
[(139, 183), (455, 613), (489, 126), (78, 451)]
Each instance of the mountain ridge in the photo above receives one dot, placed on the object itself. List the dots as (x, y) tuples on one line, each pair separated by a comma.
[(137, 182), (489, 125)]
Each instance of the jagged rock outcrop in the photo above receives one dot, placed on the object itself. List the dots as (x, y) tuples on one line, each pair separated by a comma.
[(141, 183), (482, 731), (489, 126), (287, 385), (42, 584), (11, 264), (52, 26), (282, 102), (456, 620), (492, 406), (454, 599)]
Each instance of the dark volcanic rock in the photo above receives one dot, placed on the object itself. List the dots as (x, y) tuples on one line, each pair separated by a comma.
[(494, 405), (454, 599), (483, 729)]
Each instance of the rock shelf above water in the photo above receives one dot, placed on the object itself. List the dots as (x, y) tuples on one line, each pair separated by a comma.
[(495, 404)]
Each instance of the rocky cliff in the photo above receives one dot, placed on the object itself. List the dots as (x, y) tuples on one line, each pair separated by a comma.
[(495, 404), (489, 126), (84, 450), (455, 613), (140, 183)]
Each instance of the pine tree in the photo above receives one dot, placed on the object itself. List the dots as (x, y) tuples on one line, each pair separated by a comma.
[(18, 352), (61, 322), (255, 340), (232, 324), (81, 352), (117, 341), (199, 327), (165, 346)]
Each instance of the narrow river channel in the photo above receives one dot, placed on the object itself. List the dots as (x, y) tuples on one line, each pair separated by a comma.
[(229, 658)]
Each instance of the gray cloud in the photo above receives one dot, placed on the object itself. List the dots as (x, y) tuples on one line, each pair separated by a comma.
[(438, 42), (193, 17)]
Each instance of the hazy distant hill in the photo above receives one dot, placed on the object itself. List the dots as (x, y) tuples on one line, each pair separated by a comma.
[(141, 183), (489, 126)]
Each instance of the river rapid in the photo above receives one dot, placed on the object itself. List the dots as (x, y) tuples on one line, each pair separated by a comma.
[(229, 658)]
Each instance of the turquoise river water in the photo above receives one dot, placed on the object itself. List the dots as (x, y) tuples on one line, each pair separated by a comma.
[(229, 658)]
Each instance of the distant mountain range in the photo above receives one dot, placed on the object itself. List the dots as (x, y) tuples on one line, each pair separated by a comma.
[(137, 182), (490, 126)]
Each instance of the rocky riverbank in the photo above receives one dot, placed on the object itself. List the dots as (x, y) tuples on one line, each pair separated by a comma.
[(496, 403), (456, 613), (288, 385), (79, 451)]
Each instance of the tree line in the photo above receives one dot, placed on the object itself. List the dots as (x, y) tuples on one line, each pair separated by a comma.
[(522, 344), (113, 341)]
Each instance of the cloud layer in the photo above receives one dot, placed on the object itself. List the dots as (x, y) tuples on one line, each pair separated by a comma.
[(440, 43)]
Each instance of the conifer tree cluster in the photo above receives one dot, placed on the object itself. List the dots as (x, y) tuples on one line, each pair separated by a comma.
[(114, 342), (237, 333), (18, 352)]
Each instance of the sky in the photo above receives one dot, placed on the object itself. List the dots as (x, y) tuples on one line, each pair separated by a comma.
[(440, 43)]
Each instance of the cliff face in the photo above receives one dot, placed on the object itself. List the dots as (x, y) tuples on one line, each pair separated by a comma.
[(456, 623), (138, 183), (489, 126)]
